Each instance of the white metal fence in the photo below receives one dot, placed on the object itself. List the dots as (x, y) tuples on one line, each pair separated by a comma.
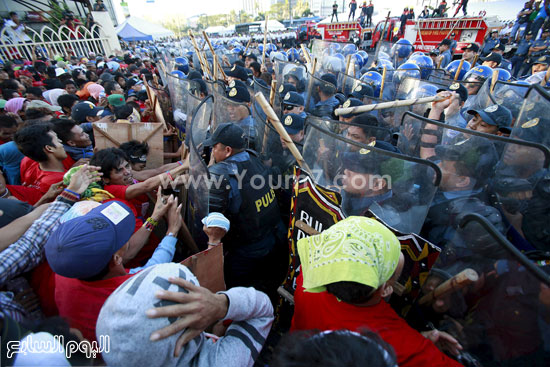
[(50, 43)]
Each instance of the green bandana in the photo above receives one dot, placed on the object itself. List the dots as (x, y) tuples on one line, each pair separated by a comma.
[(356, 249)]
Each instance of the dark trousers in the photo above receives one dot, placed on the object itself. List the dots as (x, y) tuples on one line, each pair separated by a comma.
[(351, 14), (536, 26), (334, 13), (517, 63), (369, 20)]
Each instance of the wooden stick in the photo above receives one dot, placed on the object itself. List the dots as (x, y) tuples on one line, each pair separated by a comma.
[(384, 71), (220, 67), (247, 45), (545, 79), (306, 54), (494, 80), (381, 106), (199, 55), (439, 61), (475, 61), (208, 42), (456, 283), (272, 117), (375, 58), (271, 101), (459, 69), (265, 41), (348, 61), (215, 66), (306, 228)]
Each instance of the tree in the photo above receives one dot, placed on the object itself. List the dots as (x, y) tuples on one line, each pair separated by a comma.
[(260, 17), (299, 8), (307, 13)]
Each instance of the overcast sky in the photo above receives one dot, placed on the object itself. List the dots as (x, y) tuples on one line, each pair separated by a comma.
[(160, 9)]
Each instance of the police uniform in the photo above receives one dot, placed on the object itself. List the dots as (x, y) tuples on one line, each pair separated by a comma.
[(535, 55), (238, 92), (255, 242), (489, 45), (520, 55)]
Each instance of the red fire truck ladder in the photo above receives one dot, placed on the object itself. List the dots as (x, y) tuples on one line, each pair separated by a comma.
[(447, 23)]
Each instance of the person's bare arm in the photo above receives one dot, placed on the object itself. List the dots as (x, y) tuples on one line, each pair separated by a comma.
[(435, 114), (150, 184), (141, 236), (148, 173), (11, 233)]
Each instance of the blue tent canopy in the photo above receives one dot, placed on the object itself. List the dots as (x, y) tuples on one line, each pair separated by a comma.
[(136, 29)]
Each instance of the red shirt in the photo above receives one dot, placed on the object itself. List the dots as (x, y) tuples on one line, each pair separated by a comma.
[(32, 175), (139, 203), (324, 311), (80, 302)]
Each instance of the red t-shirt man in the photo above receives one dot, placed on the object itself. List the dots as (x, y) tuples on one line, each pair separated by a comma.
[(80, 302), (324, 311)]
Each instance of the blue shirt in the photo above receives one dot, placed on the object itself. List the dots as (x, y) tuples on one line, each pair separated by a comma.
[(523, 47), (164, 253), (490, 44), (446, 59), (10, 158), (248, 126)]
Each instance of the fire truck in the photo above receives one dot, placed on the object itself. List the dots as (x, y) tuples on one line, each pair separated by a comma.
[(307, 31), (426, 34), (346, 32)]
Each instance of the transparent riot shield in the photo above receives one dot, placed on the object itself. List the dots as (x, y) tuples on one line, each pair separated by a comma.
[(179, 95), (348, 84), (288, 72), (488, 296), (198, 171), (258, 114), (412, 88), (396, 188), (522, 180), (313, 96), (509, 95), (212, 86), (226, 110), (441, 76), (533, 121), (486, 173), (329, 57)]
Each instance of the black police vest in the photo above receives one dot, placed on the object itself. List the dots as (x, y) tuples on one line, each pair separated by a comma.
[(259, 212)]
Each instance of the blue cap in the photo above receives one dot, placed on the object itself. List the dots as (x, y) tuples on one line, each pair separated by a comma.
[(285, 88), (238, 94), (293, 99), (351, 102), (228, 134), (495, 115), (82, 247), (293, 123)]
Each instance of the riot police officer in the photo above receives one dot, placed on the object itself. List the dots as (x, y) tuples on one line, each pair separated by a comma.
[(255, 251)]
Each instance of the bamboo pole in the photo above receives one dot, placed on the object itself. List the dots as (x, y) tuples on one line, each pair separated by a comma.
[(457, 282), (546, 78), (459, 69), (271, 101), (384, 71), (265, 41), (272, 117), (380, 106), (494, 80)]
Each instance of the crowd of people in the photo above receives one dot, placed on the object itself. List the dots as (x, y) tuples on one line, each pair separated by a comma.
[(92, 237)]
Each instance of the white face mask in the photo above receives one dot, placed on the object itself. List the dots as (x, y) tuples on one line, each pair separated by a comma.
[(135, 116)]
